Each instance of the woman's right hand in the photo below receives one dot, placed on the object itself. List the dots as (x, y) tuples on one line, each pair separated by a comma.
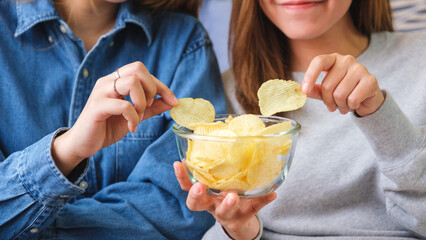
[(237, 216), (108, 116)]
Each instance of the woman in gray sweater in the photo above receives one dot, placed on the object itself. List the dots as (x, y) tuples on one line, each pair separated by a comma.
[(358, 172)]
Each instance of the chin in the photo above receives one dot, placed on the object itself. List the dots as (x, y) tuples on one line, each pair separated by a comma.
[(301, 34)]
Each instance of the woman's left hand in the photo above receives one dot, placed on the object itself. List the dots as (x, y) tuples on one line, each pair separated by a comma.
[(237, 216), (347, 85)]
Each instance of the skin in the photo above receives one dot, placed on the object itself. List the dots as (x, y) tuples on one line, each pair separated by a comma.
[(322, 38), (107, 117)]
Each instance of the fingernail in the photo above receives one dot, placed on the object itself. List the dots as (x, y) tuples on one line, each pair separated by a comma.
[(175, 101), (304, 87), (230, 200), (177, 173), (150, 102)]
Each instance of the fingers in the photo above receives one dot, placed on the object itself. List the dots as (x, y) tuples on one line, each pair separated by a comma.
[(139, 71), (346, 85), (198, 200), (119, 107), (159, 106), (236, 214), (142, 87), (345, 88), (150, 84), (227, 209), (130, 85), (318, 64), (167, 94), (258, 203), (181, 176), (329, 84)]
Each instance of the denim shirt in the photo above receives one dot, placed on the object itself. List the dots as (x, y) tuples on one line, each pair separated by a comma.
[(127, 190)]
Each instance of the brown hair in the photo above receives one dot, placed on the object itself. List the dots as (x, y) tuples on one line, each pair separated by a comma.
[(260, 51)]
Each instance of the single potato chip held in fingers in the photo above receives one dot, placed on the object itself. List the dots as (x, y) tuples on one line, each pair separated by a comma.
[(278, 95), (191, 112)]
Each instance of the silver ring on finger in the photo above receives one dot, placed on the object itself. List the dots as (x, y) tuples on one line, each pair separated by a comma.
[(117, 76)]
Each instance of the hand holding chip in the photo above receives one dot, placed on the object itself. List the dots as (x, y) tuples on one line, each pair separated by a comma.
[(108, 116), (237, 216), (347, 86)]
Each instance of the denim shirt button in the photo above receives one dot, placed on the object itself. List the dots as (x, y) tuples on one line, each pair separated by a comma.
[(50, 39), (64, 196), (85, 73), (34, 230), (63, 29), (84, 185), (111, 43)]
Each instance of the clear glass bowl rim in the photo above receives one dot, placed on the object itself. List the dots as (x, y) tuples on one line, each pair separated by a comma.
[(186, 133)]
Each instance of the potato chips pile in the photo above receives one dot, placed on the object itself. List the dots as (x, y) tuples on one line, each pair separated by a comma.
[(240, 153)]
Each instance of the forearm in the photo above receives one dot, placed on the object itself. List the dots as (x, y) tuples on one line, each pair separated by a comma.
[(33, 190), (149, 204), (400, 148), (64, 159)]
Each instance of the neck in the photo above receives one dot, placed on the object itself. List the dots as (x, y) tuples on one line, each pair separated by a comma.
[(88, 19), (343, 38)]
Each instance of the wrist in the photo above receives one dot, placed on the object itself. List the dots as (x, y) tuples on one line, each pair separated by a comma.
[(62, 153), (249, 230)]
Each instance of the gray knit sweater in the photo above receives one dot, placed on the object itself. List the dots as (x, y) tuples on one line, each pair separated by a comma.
[(357, 178)]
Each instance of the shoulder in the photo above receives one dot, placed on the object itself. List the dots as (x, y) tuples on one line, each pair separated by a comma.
[(400, 41), (394, 48), (180, 29)]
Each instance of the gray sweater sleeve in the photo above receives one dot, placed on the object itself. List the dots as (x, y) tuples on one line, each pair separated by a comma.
[(400, 148)]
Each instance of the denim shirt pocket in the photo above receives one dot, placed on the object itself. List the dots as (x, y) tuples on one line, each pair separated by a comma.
[(133, 145)]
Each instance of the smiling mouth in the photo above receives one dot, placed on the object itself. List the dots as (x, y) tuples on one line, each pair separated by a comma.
[(301, 4)]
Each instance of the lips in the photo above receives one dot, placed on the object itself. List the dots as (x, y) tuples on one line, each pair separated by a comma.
[(301, 2)]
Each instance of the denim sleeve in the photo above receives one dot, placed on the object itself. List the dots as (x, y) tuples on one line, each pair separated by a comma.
[(32, 190), (150, 204)]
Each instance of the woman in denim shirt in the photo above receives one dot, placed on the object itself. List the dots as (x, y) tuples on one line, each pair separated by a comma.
[(75, 163)]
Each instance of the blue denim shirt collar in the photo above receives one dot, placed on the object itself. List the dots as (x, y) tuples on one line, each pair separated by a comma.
[(31, 13)]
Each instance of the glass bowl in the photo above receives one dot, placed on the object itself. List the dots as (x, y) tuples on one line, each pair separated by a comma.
[(251, 166)]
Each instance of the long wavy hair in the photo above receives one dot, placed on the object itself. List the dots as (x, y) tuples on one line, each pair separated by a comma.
[(260, 51)]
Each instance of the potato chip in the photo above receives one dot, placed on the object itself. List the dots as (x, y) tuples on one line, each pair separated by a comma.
[(246, 125), (207, 128), (279, 145), (275, 128), (264, 167), (231, 184), (192, 111), (241, 153), (280, 96), (227, 120), (223, 133), (203, 177), (224, 170)]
